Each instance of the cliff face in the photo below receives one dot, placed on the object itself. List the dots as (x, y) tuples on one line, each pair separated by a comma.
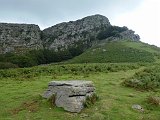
[(19, 37), (83, 33), (67, 34)]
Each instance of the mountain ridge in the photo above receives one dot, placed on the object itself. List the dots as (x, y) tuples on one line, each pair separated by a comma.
[(25, 45), (22, 37)]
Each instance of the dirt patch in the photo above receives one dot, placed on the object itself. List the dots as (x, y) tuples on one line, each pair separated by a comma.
[(31, 106)]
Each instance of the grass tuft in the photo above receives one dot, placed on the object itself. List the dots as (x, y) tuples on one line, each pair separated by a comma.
[(154, 100), (90, 100)]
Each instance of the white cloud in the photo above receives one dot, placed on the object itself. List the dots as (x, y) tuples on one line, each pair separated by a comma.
[(139, 15), (144, 20)]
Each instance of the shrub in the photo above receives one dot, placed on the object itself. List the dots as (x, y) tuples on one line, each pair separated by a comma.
[(90, 100), (36, 57), (111, 31), (147, 79), (155, 100), (22, 61), (6, 65)]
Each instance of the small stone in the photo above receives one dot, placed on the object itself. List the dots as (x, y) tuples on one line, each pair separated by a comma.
[(137, 107)]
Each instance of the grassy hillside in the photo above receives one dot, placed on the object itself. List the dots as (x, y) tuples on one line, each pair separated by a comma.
[(132, 78), (21, 88), (104, 52), (117, 52)]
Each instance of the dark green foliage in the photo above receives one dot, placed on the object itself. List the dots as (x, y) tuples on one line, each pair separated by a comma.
[(75, 69), (6, 65), (75, 51), (35, 57), (147, 79), (22, 61), (111, 31)]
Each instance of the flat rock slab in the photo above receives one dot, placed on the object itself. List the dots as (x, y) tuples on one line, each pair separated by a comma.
[(76, 83), (70, 95)]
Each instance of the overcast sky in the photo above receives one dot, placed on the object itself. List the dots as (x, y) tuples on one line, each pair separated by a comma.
[(140, 15)]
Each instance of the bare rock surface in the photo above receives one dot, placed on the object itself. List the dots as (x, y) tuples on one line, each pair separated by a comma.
[(70, 95), (19, 37), (137, 107), (80, 34), (72, 33)]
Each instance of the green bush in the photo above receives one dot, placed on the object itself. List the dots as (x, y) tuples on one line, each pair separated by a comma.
[(154, 100), (22, 61), (78, 69), (6, 65), (35, 57), (111, 31), (147, 79)]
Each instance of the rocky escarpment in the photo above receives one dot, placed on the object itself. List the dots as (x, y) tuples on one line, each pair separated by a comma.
[(80, 34), (82, 31), (19, 37)]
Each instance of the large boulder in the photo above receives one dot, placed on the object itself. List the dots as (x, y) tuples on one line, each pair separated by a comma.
[(70, 95)]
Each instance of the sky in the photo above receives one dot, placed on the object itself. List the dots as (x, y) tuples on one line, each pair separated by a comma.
[(139, 15)]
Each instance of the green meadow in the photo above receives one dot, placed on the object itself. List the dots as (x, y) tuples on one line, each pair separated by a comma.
[(21, 89)]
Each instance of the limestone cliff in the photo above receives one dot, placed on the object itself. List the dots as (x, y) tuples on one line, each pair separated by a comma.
[(19, 37), (69, 33), (81, 33)]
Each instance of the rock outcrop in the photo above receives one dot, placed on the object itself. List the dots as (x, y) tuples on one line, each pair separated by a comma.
[(19, 37), (81, 33), (70, 95), (125, 35), (130, 35), (137, 107), (67, 34)]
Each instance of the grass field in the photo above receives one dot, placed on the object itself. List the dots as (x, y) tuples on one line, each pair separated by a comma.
[(21, 88)]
